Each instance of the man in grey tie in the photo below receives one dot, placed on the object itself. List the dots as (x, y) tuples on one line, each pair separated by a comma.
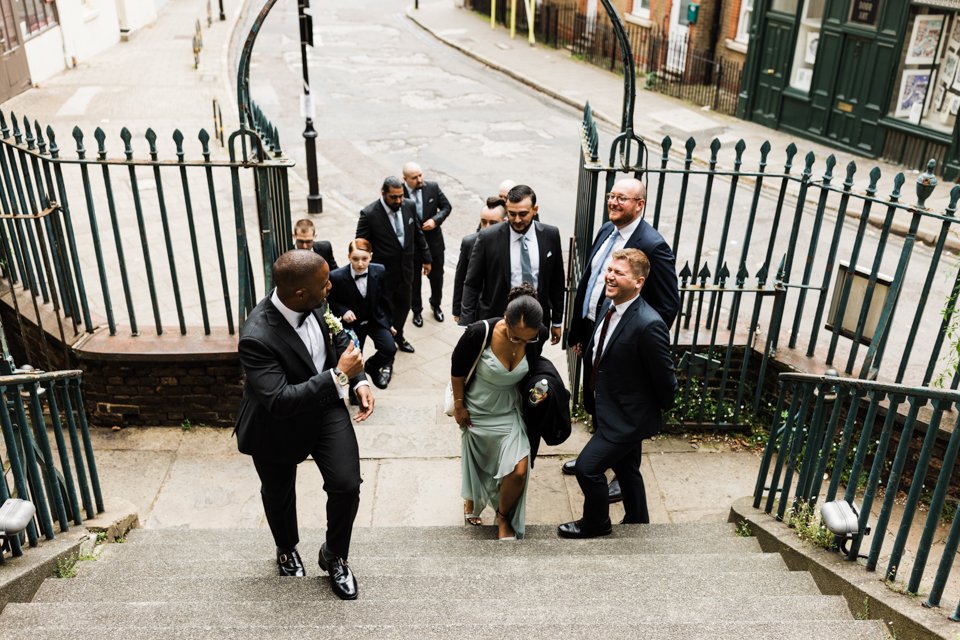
[(389, 224), (506, 255), (432, 209)]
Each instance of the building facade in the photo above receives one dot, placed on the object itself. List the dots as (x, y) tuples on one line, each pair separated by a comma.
[(877, 77)]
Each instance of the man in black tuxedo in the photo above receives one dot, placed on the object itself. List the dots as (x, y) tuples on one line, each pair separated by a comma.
[(493, 212), (298, 368), (358, 297), (630, 382), (432, 209), (626, 229), (304, 237), (505, 255), (389, 223)]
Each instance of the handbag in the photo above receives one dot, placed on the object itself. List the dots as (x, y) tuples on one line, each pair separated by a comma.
[(448, 404)]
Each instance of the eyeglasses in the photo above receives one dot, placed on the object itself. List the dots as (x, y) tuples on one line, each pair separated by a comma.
[(519, 340), (620, 199)]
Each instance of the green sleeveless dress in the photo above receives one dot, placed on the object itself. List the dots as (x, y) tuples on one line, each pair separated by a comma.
[(497, 441)]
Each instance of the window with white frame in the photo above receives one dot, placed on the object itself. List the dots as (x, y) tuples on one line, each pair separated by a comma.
[(641, 9), (743, 22)]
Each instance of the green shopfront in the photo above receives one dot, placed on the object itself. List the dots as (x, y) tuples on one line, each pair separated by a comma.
[(877, 77)]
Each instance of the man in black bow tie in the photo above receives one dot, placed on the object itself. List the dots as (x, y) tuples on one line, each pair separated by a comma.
[(299, 365)]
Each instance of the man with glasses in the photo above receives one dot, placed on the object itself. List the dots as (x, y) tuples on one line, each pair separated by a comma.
[(506, 255), (626, 229), (305, 237)]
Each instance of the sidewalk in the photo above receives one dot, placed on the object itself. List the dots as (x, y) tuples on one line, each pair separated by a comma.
[(557, 74)]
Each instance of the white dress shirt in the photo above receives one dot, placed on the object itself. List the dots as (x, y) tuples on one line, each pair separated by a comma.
[(599, 271), (619, 310), (516, 273), (362, 282)]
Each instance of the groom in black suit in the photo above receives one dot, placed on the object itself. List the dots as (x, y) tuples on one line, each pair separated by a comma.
[(389, 223), (505, 255), (298, 365), (630, 381)]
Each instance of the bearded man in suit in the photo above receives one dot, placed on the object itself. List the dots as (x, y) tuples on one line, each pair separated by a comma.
[(298, 366), (432, 209)]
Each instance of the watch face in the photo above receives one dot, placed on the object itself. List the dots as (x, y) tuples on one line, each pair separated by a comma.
[(343, 379)]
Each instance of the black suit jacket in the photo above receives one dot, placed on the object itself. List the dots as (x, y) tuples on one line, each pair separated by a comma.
[(325, 250), (635, 381), (376, 226), (286, 402), (436, 207), (487, 283), (345, 296), (466, 246), (660, 290)]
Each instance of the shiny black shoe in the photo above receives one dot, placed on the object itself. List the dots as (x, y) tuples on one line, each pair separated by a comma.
[(578, 530), (382, 377), (417, 319), (613, 491), (405, 346), (438, 314), (342, 582), (569, 467), (290, 564)]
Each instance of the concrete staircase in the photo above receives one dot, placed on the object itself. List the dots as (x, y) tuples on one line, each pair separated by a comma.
[(691, 581)]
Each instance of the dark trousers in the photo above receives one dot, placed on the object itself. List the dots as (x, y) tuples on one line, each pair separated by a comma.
[(398, 294), (597, 456), (435, 277), (338, 458), (382, 341)]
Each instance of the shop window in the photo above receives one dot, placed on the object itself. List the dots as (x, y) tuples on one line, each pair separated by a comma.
[(784, 6), (641, 9), (743, 22), (927, 89), (808, 41), (8, 27), (35, 16)]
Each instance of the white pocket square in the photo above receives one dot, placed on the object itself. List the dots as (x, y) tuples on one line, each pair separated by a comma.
[(549, 253)]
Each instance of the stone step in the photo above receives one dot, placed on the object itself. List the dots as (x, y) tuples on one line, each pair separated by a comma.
[(469, 566), (89, 617), (245, 537), (490, 547), (584, 587), (803, 629)]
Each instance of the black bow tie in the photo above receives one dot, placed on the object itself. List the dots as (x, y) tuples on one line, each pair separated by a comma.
[(303, 318), (359, 276)]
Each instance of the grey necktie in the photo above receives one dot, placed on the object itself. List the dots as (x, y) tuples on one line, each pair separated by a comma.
[(398, 224), (417, 196), (526, 269)]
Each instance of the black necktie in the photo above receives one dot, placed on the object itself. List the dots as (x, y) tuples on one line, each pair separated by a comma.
[(303, 318), (359, 276), (600, 341)]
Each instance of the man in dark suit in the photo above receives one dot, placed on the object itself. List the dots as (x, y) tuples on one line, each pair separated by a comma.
[(358, 297), (505, 255), (298, 368), (630, 382), (432, 209), (626, 229), (304, 237), (493, 212), (389, 223)]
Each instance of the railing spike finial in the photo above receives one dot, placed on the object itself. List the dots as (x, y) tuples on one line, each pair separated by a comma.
[(101, 137), (78, 136), (791, 154), (954, 198), (762, 273), (28, 135), (742, 274), (723, 274), (851, 170), (808, 161), (54, 149), (41, 143), (178, 143), (151, 137), (704, 274), (126, 136), (926, 183), (739, 148), (830, 164), (4, 129), (16, 128), (874, 179), (898, 182), (690, 146), (665, 144), (685, 274), (204, 138)]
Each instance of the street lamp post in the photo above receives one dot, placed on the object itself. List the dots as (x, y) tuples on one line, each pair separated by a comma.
[(223, 16), (314, 199)]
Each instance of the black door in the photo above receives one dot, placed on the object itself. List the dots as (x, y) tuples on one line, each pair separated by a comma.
[(772, 69)]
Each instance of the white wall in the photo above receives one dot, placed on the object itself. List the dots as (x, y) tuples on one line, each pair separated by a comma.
[(45, 55), (88, 28), (134, 14)]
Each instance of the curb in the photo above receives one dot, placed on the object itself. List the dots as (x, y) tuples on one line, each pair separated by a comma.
[(865, 593)]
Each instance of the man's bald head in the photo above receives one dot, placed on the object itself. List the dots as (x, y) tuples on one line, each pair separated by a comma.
[(413, 175), (302, 279), (505, 187), (626, 201)]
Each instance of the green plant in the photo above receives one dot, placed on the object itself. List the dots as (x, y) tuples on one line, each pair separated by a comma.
[(865, 614), (743, 529), (809, 527), (101, 537), (579, 414), (185, 425), (67, 566)]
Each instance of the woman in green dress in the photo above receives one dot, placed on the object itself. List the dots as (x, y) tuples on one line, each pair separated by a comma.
[(495, 450)]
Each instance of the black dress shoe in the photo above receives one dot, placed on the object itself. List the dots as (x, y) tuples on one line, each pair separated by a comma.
[(438, 314), (569, 467), (613, 491), (577, 529), (382, 377), (289, 564), (342, 582), (417, 319), (405, 346)]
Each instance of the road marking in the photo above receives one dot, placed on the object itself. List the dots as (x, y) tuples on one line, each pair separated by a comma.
[(76, 105)]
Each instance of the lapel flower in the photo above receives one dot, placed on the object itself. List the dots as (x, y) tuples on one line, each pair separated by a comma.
[(333, 322)]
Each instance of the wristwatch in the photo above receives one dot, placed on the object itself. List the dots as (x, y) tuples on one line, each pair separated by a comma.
[(341, 377)]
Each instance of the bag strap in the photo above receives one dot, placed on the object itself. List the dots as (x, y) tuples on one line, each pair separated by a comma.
[(483, 345)]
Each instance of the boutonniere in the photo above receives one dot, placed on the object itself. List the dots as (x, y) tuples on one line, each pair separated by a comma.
[(333, 322)]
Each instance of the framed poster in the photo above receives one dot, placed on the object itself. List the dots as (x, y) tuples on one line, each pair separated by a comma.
[(922, 48), (810, 51), (938, 97), (954, 41), (913, 90), (954, 105), (949, 68), (803, 78)]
